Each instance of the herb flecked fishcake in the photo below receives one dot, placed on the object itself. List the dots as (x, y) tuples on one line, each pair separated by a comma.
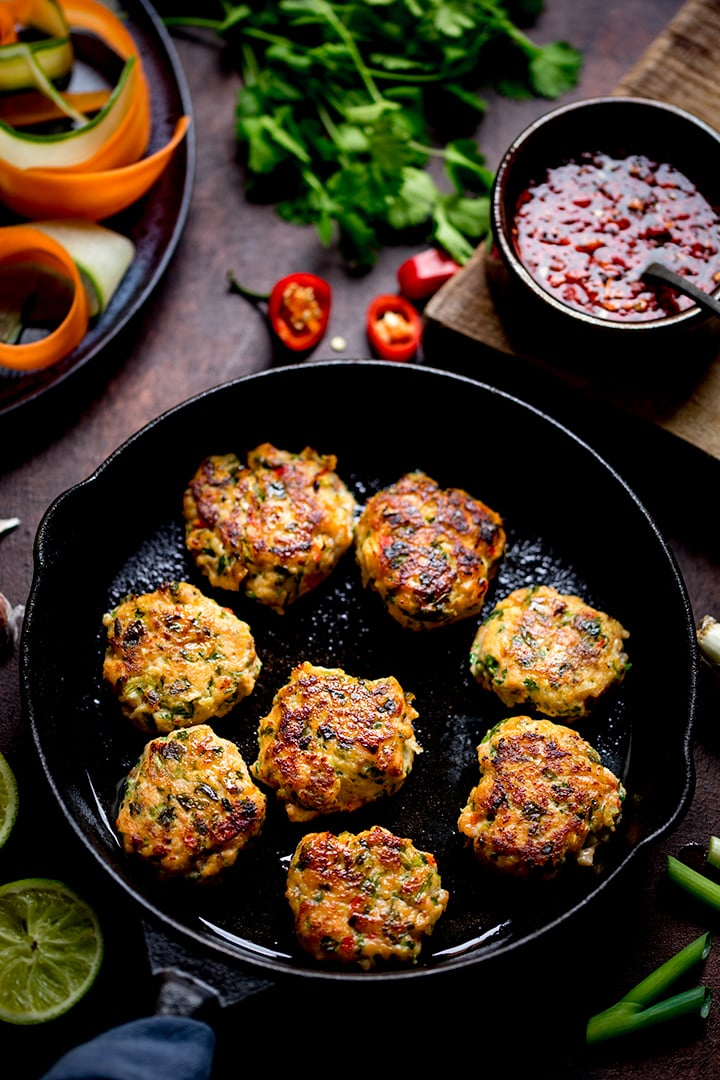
[(363, 899), (189, 804), (332, 742), (275, 528), (429, 552), (175, 657), (543, 799), (549, 649)]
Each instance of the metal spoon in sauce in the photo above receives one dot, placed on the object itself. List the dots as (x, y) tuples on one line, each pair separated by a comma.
[(657, 274)]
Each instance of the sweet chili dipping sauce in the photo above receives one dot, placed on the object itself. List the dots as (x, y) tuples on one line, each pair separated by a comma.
[(590, 228)]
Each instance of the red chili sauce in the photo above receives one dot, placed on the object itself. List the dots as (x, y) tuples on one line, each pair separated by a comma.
[(587, 232)]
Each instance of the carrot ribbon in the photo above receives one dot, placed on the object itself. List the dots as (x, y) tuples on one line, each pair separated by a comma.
[(22, 245)]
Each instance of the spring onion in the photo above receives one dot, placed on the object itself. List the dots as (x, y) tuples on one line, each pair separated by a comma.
[(708, 636), (693, 882), (639, 1009)]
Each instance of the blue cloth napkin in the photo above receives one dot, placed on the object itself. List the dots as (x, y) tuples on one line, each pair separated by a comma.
[(154, 1048)]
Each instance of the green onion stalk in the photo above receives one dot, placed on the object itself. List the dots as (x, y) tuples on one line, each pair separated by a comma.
[(639, 1009)]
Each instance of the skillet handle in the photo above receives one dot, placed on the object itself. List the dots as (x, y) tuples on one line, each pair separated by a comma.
[(180, 994), (190, 984)]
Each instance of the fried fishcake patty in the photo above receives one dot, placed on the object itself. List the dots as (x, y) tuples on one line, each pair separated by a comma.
[(550, 649), (332, 742), (429, 552), (175, 657), (275, 527), (543, 799), (189, 804), (362, 899)]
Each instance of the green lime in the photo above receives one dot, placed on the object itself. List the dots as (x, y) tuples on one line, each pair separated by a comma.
[(8, 800), (51, 949)]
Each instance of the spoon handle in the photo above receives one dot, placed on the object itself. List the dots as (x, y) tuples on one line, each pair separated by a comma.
[(657, 274)]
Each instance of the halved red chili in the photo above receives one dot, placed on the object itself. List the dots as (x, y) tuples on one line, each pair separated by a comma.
[(394, 327), (299, 310), (422, 275)]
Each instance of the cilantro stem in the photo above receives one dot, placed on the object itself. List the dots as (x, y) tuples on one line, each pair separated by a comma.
[(350, 44), (447, 153), (634, 1011), (504, 24), (264, 35), (194, 21), (699, 886), (416, 77), (237, 287)]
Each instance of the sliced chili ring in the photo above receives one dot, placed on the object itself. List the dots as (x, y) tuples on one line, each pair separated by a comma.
[(394, 327), (299, 310), (422, 275)]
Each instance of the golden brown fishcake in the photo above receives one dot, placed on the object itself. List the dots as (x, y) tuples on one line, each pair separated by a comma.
[(332, 742), (550, 649), (429, 552), (275, 527), (189, 804), (175, 657), (363, 899), (544, 798)]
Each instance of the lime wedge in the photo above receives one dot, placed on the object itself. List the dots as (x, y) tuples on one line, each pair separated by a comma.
[(8, 800), (51, 949)]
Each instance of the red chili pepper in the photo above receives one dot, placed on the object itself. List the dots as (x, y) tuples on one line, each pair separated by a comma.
[(394, 327), (299, 310), (424, 273)]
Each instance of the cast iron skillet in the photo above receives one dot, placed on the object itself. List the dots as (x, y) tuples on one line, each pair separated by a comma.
[(571, 522)]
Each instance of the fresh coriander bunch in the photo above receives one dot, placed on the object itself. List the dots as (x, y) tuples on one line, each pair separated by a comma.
[(334, 112)]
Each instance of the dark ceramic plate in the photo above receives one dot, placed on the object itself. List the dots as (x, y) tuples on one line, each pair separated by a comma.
[(571, 522), (155, 223)]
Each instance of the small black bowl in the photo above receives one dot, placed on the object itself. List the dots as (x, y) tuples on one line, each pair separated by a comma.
[(619, 127)]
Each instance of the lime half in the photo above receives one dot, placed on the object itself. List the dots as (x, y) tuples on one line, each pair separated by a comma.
[(51, 949), (8, 800)]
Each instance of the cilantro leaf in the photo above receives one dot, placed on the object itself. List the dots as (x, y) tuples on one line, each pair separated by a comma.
[(554, 69), (415, 201), (334, 110)]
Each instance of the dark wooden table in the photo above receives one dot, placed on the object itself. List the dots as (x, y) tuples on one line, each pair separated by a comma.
[(193, 335)]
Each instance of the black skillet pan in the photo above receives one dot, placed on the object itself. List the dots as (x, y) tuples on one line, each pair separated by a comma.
[(571, 521)]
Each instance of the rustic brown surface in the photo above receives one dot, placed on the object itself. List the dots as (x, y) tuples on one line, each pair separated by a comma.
[(194, 335), (680, 67)]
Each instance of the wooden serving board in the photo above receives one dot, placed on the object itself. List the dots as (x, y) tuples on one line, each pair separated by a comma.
[(680, 390)]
